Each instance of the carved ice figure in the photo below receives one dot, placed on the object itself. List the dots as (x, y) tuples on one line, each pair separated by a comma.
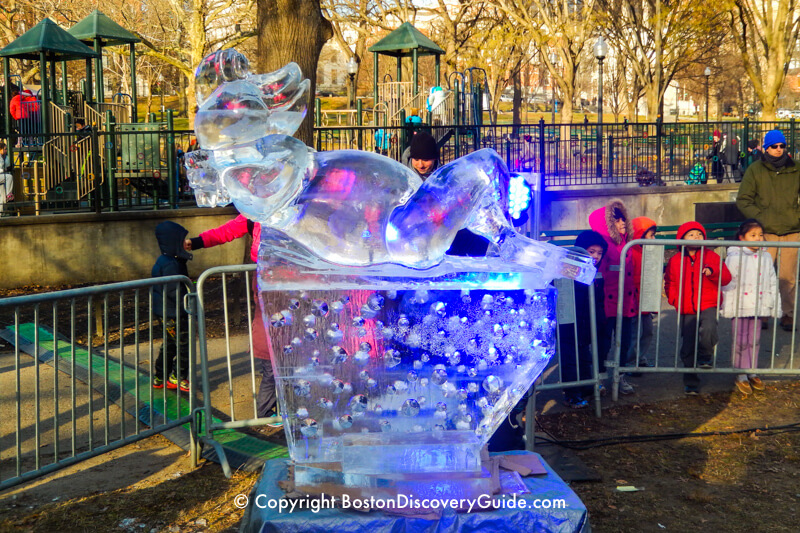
[(345, 207)]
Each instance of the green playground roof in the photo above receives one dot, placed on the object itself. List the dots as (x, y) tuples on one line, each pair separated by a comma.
[(98, 25), (48, 38), (403, 40)]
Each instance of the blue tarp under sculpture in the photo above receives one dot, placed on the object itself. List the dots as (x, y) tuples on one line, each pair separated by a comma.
[(566, 515)]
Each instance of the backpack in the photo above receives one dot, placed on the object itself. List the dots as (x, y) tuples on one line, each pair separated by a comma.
[(697, 176)]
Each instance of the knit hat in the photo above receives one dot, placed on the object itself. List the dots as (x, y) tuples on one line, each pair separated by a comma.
[(423, 146), (773, 137), (717, 134), (686, 227), (590, 238), (752, 144)]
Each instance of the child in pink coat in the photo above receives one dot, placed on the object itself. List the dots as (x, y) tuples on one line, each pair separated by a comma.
[(613, 223)]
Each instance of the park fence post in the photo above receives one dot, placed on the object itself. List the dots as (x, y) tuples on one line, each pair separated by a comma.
[(542, 166), (171, 157), (659, 140), (110, 160)]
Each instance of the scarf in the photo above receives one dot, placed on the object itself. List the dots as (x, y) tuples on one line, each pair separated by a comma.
[(777, 162)]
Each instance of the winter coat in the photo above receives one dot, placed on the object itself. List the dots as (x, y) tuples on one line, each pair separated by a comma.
[(582, 307), (171, 262), (754, 279), (771, 196), (641, 225), (602, 221), (730, 149), (717, 157), (231, 230), (688, 288)]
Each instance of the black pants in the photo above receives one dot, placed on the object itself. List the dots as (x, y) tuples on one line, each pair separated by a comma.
[(174, 349), (705, 336), (624, 339), (576, 364), (266, 399)]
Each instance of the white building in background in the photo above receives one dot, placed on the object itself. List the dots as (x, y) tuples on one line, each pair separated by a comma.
[(332, 78), (678, 102)]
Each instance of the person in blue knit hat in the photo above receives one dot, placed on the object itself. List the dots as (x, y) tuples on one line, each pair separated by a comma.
[(769, 193)]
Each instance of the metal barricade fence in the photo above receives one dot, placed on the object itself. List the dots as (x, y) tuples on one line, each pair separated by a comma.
[(230, 378), (576, 363), (682, 341), (87, 388)]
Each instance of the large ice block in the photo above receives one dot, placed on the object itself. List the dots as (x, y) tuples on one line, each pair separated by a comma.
[(397, 374)]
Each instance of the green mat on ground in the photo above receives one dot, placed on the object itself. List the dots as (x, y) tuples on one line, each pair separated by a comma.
[(126, 384)]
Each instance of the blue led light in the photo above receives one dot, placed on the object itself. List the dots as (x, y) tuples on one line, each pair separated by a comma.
[(519, 196)]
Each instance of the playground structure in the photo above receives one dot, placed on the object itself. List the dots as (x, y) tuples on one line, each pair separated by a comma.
[(416, 103), (56, 161)]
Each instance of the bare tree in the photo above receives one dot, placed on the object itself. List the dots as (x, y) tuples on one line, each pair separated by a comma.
[(765, 33), (564, 28), (181, 32), (659, 38)]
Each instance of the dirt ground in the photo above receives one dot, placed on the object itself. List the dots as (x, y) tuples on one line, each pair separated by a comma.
[(745, 481)]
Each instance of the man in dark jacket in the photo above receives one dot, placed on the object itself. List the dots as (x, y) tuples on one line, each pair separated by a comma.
[(769, 193), (167, 306), (423, 155)]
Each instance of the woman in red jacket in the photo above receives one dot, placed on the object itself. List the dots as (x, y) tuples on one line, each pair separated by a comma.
[(692, 282)]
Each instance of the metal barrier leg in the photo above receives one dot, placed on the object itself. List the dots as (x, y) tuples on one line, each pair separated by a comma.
[(223, 460), (530, 419)]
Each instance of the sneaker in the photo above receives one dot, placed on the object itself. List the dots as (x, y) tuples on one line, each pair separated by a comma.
[(158, 383), (705, 366), (744, 387), (576, 403), (271, 413), (625, 387), (691, 390), (184, 385), (786, 323), (756, 383), (172, 382), (645, 363)]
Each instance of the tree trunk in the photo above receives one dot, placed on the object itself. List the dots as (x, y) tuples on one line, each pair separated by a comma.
[(565, 113), (651, 95), (293, 30)]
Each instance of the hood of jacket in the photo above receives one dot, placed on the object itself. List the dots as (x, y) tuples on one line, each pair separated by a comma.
[(170, 237), (602, 221), (642, 225), (734, 251), (686, 227)]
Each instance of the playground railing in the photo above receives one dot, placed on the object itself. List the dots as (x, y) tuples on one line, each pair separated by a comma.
[(141, 165)]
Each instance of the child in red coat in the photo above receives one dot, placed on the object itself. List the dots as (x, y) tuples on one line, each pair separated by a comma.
[(692, 282), (643, 228)]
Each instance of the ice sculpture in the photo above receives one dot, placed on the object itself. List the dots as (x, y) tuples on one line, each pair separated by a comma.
[(395, 363)]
